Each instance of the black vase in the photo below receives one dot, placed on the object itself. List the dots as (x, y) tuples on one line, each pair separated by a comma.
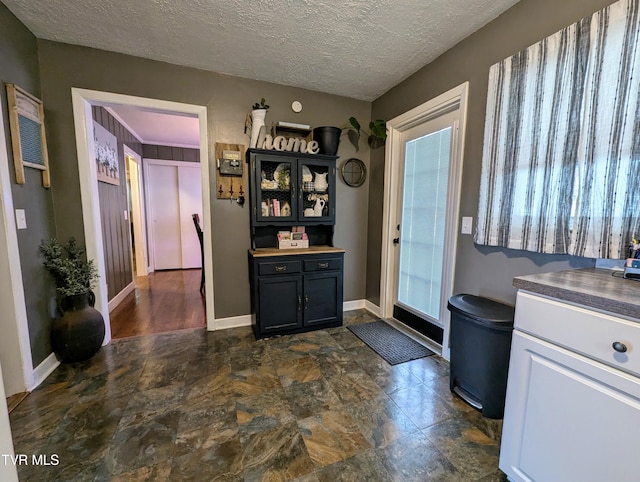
[(78, 334), (328, 139)]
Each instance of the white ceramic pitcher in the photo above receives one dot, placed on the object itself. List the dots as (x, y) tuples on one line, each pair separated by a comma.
[(317, 208), (320, 181)]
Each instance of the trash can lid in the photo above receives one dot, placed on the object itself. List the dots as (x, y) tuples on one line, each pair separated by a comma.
[(484, 310)]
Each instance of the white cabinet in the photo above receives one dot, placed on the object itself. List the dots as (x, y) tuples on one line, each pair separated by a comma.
[(570, 416)]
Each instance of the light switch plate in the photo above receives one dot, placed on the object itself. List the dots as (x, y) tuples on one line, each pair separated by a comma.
[(467, 225), (21, 219), (126, 215)]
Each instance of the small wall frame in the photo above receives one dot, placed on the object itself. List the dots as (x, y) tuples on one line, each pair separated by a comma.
[(28, 139)]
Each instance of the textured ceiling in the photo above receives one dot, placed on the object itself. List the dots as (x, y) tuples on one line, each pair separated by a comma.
[(355, 48)]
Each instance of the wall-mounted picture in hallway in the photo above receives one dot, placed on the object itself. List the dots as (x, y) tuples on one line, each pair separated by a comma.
[(107, 165)]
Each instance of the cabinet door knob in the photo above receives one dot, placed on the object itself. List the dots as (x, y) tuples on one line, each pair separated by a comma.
[(619, 347)]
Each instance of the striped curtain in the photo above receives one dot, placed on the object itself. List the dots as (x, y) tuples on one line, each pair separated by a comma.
[(562, 141)]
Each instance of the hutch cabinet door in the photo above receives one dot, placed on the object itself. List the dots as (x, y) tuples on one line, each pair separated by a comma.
[(322, 297), (279, 303), (316, 180), (274, 189)]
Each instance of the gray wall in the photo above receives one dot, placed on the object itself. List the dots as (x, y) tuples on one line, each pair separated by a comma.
[(116, 230), (19, 65), (479, 270), (228, 100)]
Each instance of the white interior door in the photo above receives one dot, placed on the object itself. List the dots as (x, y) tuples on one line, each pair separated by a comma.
[(190, 187), (174, 194), (164, 206)]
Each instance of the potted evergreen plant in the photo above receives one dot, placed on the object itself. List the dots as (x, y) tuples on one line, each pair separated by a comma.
[(78, 334)]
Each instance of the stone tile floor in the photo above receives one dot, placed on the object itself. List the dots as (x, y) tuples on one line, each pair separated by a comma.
[(205, 406)]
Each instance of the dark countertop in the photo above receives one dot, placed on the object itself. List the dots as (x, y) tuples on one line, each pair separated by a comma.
[(591, 287)]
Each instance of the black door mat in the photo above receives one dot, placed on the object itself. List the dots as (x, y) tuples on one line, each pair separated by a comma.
[(392, 345)]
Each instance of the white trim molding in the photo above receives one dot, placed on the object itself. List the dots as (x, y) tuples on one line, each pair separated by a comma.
[(353, 305), (232, 322), (117, 117), (43, 370), (15, 346), (246, 320), (83, 99), (371, 308), (119, 298)]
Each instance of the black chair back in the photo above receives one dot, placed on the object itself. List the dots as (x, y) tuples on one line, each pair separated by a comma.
[(196, 222)]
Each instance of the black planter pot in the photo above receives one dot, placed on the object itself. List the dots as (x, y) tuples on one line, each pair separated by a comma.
[(328, 139), (78, 334)]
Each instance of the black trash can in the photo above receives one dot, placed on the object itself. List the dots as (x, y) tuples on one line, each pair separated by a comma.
[(480, 342)]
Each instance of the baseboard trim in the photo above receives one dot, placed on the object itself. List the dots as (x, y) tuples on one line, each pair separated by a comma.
[(371, 308), (245, 320), (231, 322), (119, 298), (353, 305), (42, 371)]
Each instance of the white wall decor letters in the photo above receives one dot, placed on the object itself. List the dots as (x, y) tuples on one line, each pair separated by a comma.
[(288, 144)]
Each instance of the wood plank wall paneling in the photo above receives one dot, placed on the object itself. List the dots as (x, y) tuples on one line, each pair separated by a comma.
[(116, 230), (168, 153)]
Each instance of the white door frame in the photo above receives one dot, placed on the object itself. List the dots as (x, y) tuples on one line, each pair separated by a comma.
[(137, 212), (15, 346), (454, 99), (82, 100), (147, 201)]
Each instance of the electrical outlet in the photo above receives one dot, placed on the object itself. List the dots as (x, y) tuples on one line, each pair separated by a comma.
[(467, 225)]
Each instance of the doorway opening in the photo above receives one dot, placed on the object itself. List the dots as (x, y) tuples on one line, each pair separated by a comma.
[(423, 173), (139, 252), (83, 100)]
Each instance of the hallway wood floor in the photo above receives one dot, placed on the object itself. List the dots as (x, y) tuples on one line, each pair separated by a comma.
[(163, 301)]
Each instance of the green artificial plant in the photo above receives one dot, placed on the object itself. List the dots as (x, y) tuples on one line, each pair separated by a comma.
[(66, 263), (376, 136), (260, 105)]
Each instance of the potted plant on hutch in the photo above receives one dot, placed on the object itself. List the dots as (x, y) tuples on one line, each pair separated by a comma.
[(78, 333), (328, 138), (376, 136), (258, 114)]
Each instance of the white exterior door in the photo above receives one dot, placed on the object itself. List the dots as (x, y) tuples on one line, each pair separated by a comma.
[(174, 195), (422, 217)]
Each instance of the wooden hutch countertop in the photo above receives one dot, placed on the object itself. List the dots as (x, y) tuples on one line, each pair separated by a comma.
[(260, 252)]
